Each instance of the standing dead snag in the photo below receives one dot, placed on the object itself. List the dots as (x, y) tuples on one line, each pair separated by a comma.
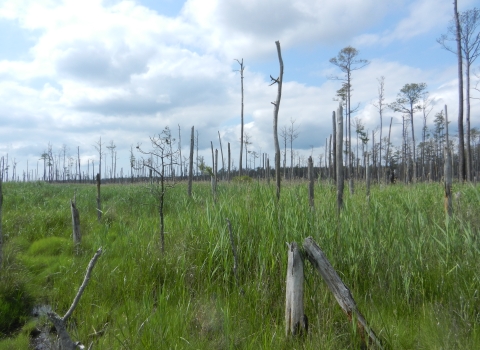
[(448, 182), (339, 158), (75, 222), (295, 319), (99, 203), (311, 182), (339, 289), (276, 104), (60, 322), (190, 167)]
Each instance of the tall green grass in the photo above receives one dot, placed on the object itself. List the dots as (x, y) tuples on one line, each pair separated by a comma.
[(414, 273)]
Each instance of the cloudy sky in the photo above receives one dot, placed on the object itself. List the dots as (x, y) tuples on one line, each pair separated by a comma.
[(74, 71)]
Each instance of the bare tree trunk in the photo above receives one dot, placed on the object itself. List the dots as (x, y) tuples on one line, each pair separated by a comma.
[(461, 144), (448, 182), (334, 146), (99, 203), (180, 151), (295, 320), (60, 323), (75, 223), (311, 182), (268, 171), (229, 162), (339, 158), (340, 291), (276, 104), (468, 151), (388, 144), (241, 124), (330, 168), (190, 170), (367, 175), (223, 159)]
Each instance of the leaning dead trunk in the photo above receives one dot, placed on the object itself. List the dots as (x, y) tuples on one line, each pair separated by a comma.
[(60, 323), (295, 320), (339, 289)]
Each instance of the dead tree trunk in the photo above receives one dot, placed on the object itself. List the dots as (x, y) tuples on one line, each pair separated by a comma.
[(223, 159), (229, 162), (75, 223), (367, 175), (276, 104), (311, 182), (99, 203), (339, 158), (334, 146), (295, 320), (339, 289), (60, 322), (388, 145), (190, 170), (268, 171), (448, 182)]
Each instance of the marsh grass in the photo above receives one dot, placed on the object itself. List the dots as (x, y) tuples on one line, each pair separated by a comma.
[(413, 273)]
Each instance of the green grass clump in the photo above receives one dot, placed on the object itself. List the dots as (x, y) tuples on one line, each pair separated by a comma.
[(413, 273)]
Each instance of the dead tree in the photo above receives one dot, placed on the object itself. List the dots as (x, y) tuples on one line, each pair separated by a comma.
[(448, 182), (339, 290), (339, 158), (190, 170), (229, 156), (163, 151), (99, 202), (295, 320), (60, 323), (276, 108), (334, 146), (241, 116), (75, 222), (311, 182)]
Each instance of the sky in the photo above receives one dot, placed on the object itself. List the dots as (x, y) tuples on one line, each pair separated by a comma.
[(72, 72)]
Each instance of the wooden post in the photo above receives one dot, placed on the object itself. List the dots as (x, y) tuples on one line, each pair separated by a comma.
[(99, 203), (448, 182), (75, 222), (60, 323), (295, 320), (339, 289), (339, 158), (311, 182), (190, 170)]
